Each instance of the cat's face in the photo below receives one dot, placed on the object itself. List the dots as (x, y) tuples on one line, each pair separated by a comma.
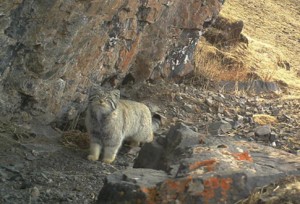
[(105, 101)]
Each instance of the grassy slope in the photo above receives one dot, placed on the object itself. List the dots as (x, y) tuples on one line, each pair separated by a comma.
[(273, 28)]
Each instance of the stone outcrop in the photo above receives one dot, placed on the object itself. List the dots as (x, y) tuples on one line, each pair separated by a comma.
[(216, 170), (226, 32), (51, 51)]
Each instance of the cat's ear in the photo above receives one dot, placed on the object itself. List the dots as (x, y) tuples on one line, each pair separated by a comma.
[(116, 93)]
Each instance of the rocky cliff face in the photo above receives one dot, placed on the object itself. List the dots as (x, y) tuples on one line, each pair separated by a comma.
[(51, 51)]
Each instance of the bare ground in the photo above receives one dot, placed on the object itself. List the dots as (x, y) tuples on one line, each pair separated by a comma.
[(53, 169)]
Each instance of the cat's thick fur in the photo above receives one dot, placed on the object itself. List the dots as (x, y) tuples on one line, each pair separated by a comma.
[(111, 120)]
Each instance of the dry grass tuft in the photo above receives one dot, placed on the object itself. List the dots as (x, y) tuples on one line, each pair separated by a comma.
[(268, 45), (273, 31), (263, 119), (284, 191), (218, 65), (76, 139)]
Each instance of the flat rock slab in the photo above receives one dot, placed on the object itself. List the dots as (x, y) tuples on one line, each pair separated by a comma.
[(224, 170), (130, 186)]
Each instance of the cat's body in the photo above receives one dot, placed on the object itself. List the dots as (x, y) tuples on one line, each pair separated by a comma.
[(111, 120)]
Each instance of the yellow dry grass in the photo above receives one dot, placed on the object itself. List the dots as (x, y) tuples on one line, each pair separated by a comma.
[(272, 28), (263, 119), (216, 64), (75, 139)]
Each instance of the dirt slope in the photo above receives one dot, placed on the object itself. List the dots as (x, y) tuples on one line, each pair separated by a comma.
[(272, 28)]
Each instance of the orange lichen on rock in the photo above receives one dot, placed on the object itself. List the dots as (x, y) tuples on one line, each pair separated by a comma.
[(151, 195), (212, 184), (178, 185), (225, 186), (208, 164), (171, 190), (244, 156)]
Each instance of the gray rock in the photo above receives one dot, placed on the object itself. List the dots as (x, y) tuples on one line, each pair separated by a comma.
[(237, 124), (221, 108), (34, 194), (219, 99), (250, 134), (130, 186), (239, 118), (209, 102), (219, 128), (229, 120), (181, 137), (152, 155), (227, 170), (188, 108), (263, 130), (160, 153)]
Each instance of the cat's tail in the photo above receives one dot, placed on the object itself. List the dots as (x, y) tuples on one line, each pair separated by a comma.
[(156, 121)]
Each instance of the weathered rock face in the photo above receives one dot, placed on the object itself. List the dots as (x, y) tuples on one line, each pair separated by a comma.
[(221, 170), (53, 50)]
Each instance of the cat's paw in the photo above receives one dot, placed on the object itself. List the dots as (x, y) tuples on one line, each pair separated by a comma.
[(92, 157), (108, 160)]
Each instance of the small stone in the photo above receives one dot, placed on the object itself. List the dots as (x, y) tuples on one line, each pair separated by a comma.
[(263, 130), (209, 102), (227, 113), (34, 193), (237, 124), (273, 144), (250, 134), (248, 114), (273, 136), (178, 98), (287, 118), (188, 108), (34, 153), (251, 139), (221, 95), (195, 129), (217, 98), (221, 109), (228, 120), (219, 127), (275, 112), (30, 157), (239, 118)]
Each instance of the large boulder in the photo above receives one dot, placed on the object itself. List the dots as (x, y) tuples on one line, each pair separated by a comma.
[(220, 170), (51, 51), (166, 151)]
